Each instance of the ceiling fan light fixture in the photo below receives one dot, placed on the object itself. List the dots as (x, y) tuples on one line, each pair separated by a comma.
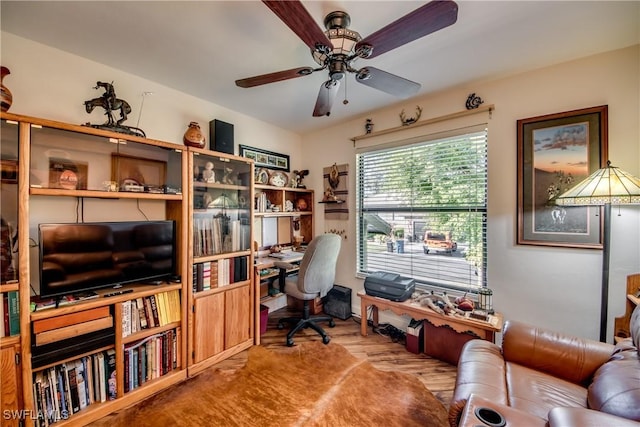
[(342, 39)]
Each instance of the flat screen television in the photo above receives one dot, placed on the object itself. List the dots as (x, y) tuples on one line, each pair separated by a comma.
[(80, 257)]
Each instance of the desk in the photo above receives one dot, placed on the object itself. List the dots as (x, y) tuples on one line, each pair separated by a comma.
[(482, 329)]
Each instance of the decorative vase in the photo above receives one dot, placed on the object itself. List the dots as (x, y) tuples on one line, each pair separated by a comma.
[(193, 136), (5, 94)]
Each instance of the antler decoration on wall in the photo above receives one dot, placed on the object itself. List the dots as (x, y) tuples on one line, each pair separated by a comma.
[(341, 233), (410, 120)]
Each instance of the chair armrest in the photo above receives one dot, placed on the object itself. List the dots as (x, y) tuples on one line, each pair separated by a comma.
[(583, 417), (481, 371), (564, 356)]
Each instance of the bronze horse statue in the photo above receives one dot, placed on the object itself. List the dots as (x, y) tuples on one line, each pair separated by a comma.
[(110, 102)]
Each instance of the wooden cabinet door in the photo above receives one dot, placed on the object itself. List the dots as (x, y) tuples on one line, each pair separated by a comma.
[(208, 333), (237, 316), (11, 393)]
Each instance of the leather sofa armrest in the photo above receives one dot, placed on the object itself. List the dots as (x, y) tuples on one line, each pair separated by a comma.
[(481, 371), (564, 356), (583, 417)]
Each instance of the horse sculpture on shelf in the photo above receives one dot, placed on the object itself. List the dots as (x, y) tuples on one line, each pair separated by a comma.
[(110, 102)]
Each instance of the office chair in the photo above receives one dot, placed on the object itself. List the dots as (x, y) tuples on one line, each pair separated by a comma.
[(314, 278)]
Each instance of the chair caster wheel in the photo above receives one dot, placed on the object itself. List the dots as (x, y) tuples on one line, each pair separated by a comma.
[(280, 326), (326, 339), (332, 324), (289, 342)]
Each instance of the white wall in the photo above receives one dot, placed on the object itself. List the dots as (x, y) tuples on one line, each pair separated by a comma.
[(554, 287), (548, 286)]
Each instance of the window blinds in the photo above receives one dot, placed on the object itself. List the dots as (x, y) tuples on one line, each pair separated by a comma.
[(435, 189)]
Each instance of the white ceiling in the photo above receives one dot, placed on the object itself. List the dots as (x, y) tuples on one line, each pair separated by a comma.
[(202, 47)]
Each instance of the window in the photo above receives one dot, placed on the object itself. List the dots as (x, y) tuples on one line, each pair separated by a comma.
[(422, 208)]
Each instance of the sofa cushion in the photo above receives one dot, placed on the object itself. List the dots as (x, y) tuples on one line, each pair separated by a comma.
[(616, 385), (572, 417), (537, 393)]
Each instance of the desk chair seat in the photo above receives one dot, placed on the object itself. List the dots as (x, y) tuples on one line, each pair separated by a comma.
[(315, 278)]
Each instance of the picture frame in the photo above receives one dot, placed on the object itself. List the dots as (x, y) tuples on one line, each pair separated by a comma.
[(68, 174), (9, 171), (137, 173), (266, 159), (556, 152)]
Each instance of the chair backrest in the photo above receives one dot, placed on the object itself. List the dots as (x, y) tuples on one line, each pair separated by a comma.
[(318, 266)]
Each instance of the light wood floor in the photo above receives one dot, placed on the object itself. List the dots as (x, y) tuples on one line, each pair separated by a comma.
[(439, 377)]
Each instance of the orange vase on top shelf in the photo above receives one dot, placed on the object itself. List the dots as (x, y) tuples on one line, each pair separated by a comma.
[(193, 136)]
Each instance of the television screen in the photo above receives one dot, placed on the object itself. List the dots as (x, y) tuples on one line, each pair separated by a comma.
[(80, 257)]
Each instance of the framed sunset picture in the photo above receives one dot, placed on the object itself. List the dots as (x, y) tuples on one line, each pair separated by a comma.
[(555, 152)]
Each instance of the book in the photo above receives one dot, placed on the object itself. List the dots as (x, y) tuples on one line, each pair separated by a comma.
[(154, 310), (126, 318), (110, 374), (81, 384), (88, 369), (14, 312), (102, 378), (73, 387), (148, 312), (141, 313)]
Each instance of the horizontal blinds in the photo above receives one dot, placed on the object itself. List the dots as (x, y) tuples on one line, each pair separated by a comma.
[(437, 187)]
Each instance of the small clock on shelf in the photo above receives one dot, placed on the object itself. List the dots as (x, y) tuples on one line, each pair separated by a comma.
[(278, 179)]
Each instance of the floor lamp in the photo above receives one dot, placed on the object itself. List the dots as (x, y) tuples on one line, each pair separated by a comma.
[(605, 187)]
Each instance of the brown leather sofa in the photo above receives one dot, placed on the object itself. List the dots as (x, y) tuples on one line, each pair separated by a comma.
[(561, 379)]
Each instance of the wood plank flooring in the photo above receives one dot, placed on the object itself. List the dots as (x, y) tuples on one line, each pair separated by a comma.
[(439, 377)]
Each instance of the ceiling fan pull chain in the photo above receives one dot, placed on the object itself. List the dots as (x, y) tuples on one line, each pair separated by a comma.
[(346, 101)]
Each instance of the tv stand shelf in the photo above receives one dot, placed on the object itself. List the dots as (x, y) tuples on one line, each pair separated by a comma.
[(138, 291)]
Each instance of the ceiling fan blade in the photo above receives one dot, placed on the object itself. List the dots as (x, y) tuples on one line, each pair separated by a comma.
[(387, 82), (427, 19), (326, 96), (274, 77), (294, 14)]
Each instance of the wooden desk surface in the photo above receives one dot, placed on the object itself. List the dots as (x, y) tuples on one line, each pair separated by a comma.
[(485, 330), (269, 261)]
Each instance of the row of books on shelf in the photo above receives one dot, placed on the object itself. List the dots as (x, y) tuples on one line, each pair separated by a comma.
[(149, 312), (10, 314), (151, 358), (219, 234), (222, 272), (67, 388)]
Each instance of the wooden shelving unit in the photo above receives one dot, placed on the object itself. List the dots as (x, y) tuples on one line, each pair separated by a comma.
[(222, 296), (36, 142)]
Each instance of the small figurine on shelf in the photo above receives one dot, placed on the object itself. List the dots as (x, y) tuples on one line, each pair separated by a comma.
[(208, 174), (226, 178), (298, 176), (368, 126)]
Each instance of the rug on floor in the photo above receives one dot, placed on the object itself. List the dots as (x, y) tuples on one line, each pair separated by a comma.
[(308, 385)]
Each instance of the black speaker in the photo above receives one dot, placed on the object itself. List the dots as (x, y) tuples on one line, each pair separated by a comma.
[(221, 136), (338, 302)]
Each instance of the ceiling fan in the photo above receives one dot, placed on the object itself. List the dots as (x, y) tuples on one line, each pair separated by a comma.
[(337, 48)]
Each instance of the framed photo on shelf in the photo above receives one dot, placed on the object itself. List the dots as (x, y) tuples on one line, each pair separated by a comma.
[(556, 152), (9, 171), (266, 159), (132, 172), (67, 174)]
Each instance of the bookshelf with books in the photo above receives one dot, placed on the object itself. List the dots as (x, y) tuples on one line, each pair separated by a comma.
[(71, 174), (222, 298), (283, 216)]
